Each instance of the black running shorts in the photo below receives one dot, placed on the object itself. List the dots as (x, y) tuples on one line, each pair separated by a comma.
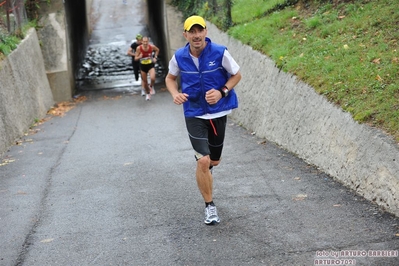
[(207, 136), (146, 67)]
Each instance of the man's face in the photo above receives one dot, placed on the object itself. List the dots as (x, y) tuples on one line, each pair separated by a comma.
[(139, 41), (145, 42), (196, 36)]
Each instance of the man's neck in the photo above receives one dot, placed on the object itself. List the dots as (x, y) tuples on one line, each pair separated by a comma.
[(197, 52)]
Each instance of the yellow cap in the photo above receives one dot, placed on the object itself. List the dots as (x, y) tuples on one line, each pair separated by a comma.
[(194, 20)]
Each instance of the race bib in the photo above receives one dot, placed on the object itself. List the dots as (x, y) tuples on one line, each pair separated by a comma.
[(146, 61)]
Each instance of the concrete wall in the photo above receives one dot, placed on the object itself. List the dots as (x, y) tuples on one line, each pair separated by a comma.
[(64, 34), (174, 29), (25, 93), (54, 43), (90, 25), (282, 109)]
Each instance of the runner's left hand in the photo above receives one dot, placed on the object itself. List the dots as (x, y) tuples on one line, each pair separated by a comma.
[(213, 96)]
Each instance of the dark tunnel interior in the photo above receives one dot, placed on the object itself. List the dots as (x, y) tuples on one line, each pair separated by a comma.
[(78, 34)]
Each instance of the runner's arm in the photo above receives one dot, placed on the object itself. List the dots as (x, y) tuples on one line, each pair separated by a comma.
[(156, 49), (138, 54), (233, 80), (171, 85), (233, 68), (130, 52)]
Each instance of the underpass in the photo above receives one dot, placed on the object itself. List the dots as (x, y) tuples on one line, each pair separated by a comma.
[(106, 64)]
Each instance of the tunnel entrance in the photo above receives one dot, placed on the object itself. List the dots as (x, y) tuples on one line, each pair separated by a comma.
[(106, 64)]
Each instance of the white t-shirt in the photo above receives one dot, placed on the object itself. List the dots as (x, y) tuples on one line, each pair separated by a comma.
[(228, 63)]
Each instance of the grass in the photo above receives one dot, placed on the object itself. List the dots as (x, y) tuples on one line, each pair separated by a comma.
[(10, 41), (247, 11), (7, 44), (346, 49)]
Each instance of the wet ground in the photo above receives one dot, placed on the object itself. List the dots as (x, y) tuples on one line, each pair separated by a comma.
[(107, 65)]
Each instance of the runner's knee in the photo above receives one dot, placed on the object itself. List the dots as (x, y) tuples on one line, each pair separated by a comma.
[(204, 162)]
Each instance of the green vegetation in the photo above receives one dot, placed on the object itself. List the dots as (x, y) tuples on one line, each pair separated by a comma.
[(346, 49), (9, 42)]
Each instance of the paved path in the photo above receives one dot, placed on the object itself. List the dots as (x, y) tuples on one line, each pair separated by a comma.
[(112, 183)]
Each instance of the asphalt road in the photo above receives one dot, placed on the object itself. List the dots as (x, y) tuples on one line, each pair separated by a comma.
[(111, 182)]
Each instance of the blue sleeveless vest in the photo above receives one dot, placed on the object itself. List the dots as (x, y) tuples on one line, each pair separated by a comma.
[(196, 82)]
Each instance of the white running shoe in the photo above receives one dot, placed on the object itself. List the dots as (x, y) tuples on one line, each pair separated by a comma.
[(152, 90), (211, 215), (148, 97), (142, 92)]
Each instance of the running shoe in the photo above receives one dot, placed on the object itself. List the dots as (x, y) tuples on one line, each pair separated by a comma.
[(142, 92), (211, 215), (152, 91), (148, 97)]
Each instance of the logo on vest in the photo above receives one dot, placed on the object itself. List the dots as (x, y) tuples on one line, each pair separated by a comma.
[(211, 63)]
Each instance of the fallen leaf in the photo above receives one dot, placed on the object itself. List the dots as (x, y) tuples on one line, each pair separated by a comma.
[(32, 131), (7, 161), (377, 61), (111, 98), (48, 240), (59, 109), (300, 197), (80, 99)]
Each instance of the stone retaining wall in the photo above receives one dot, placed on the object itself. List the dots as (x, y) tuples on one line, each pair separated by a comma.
[(279, 107), (25, 93)]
